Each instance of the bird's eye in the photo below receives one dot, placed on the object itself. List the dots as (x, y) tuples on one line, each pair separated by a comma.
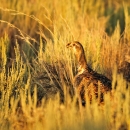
[(73, 44)]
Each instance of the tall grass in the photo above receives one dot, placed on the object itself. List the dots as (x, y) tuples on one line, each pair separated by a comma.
[(36, 89)]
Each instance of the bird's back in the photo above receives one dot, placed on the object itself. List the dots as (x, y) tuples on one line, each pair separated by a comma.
[(92, 83)]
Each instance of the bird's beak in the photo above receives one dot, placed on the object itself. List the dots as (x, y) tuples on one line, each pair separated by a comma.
[(68, 45)]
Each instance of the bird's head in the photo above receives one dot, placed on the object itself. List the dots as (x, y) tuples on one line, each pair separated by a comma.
[(76, 46)]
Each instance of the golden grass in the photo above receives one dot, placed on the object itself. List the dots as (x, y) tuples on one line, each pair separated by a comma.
[(58, 23)]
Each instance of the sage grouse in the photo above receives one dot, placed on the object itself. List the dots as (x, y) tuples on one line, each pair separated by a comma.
[(88, 82)]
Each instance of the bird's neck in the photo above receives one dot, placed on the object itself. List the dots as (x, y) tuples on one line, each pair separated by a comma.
[(82, 62)]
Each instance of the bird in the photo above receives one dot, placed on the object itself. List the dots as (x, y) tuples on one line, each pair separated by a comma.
[(88, 82)]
